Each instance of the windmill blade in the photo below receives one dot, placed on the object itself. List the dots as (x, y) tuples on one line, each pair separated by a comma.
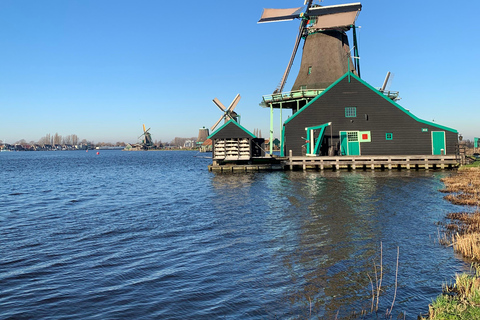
[(273, 15), (216, 123), (292, 58), (336, 16), (335, 9), (234, 103), (219, 104)]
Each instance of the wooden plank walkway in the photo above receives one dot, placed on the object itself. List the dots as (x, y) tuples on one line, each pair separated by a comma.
[(399, 162), (246, 167), (414, 162)]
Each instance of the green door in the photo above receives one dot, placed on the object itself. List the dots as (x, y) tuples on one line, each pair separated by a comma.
[(343, 143), (349, 143), (438, 143)]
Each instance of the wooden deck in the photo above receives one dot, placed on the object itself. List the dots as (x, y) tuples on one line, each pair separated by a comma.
[(409, 162), (246, 167)]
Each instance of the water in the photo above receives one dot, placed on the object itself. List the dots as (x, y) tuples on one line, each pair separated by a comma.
[(154, 235)]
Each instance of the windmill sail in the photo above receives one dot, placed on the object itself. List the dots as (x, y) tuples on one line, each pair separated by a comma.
[(272, 15), (326, 52), (335, 16)]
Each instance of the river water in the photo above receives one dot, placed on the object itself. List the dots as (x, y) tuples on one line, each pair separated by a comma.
[(154, 235)]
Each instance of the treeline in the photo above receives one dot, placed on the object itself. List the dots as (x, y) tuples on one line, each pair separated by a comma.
[(73, 140)]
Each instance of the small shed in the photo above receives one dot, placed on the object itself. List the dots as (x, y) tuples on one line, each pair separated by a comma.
[(232, 142)]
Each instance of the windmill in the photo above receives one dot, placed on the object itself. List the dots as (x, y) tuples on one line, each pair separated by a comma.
[(228, 113), (326, 54), (147, 142)]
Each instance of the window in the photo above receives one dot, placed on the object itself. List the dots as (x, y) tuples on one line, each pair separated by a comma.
[(303, 87), (350, 112), (309, 70), (424, 129), (389, 136), (352, 136)]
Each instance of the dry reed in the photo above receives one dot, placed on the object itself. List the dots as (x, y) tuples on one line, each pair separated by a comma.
[(463, 233), (463, 187), (461, 300)]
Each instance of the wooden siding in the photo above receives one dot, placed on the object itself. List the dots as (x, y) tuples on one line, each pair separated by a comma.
[(374, 113)]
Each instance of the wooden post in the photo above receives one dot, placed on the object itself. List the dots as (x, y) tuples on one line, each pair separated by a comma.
[(290, 159), (271, 128)]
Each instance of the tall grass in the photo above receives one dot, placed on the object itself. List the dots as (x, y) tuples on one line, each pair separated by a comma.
[(462, 299)]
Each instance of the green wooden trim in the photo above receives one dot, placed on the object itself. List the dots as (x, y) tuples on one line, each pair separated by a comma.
[(402, 108), (282, 144), (319, 140), (235, 123), (315, 99), (377, 92)]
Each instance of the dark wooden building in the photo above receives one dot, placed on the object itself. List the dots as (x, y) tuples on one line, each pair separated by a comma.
[(232, 142), (357, 119)]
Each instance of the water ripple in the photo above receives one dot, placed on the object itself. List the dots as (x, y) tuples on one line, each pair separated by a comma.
[(154, 235)]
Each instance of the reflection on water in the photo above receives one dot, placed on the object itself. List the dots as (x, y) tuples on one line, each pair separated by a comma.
[(155, 235), (326, 229)]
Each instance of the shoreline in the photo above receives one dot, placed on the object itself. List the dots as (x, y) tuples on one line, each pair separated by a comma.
[(461, 300)]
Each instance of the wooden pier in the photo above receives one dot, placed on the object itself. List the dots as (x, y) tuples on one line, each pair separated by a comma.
[(408, 162)]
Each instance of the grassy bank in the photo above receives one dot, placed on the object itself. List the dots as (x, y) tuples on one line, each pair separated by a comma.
[(461, 300)]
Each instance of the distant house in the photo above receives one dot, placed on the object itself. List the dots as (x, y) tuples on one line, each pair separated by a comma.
[(206, 146), (189, 144), (351, 117)]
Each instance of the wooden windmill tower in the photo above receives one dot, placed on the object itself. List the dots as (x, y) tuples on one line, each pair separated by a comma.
[(147, 142), (326, 51)]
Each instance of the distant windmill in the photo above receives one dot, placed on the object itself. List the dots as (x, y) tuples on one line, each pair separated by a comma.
[(228, 113), (147, 142), (326, 53)]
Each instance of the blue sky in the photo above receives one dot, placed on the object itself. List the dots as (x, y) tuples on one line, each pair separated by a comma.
[(102, 68)]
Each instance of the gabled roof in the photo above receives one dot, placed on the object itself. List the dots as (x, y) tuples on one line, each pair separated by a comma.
[(231, 121), (350, 74)]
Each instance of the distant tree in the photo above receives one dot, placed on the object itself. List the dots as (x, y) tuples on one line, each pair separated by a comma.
[(22, 142), (74, 139), (44, 140), (57, 139), (469, 143), (67, 140)]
